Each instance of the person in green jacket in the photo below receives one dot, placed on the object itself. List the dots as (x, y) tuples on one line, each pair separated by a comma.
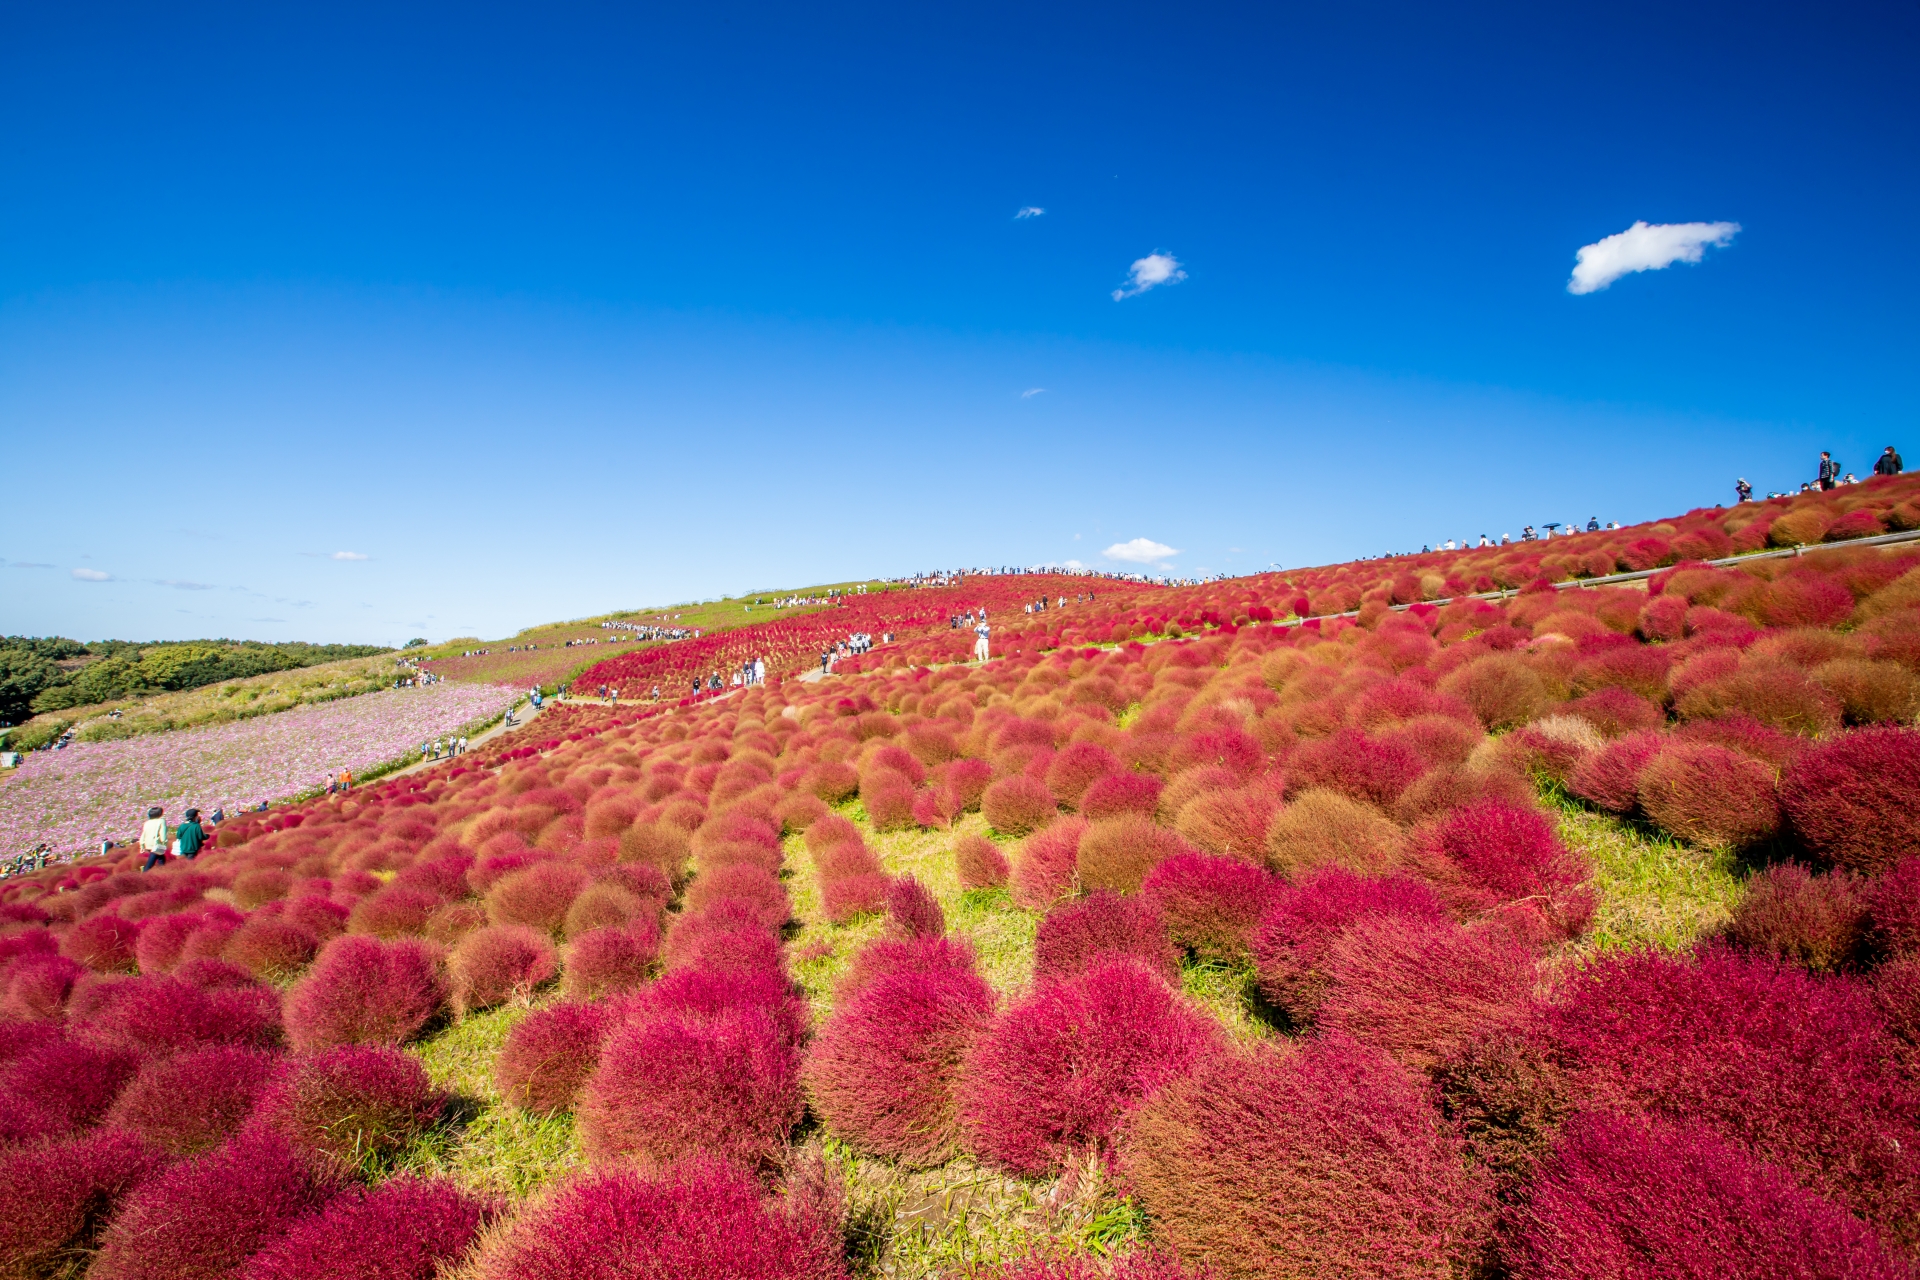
[(190, 836)]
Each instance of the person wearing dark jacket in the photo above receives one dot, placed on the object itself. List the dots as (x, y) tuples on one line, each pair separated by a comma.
[(190, 835), (1888, 463), (1829, 470)]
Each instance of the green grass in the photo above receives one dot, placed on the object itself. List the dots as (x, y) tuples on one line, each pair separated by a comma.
[(1653, 890)]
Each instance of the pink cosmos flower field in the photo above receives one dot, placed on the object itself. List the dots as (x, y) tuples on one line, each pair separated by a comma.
[(91, 791)]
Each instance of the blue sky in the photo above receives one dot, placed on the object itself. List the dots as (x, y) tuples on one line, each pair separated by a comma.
[(549, 310)]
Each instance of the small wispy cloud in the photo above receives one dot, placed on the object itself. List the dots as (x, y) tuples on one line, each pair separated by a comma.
[(29, 564), (1030, 211), (92, 575), (348, 555), (178, 585), (1140, 551), (1645, 247), (1073, 564), (1031, 392), (1150, 272)]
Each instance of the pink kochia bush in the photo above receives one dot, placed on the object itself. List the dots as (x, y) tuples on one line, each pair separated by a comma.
[(68, 1190), (196, 1101), (700, 1220), (1304, 920), (1639, 1200), (1794, 1068), (404, 1229), (673, 1084), (350, 1105), (154, 1017), (205, 1216), (499, 963), (979, 862), (1056, 1072), (364, 991), (1210, 903), (549, 1054), (881, 1073), (1074, 936), (61, 1086), (1492, 857), (1856, 799), (612, 959), (1322, 1160)]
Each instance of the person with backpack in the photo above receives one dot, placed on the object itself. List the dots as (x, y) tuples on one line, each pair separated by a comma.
[(1829, 470), (1743, 490), (1888, 463), (153, 837)]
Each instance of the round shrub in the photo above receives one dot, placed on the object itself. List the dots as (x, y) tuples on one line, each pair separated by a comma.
[(847, 898), (1075, 936), (1791, 1066), (549, 1054), (707, 992), (1615, 711), (537, 896), (153, 1017), (37, 987), (1056, 1072), (1121, 793), (1305, 917), (1610, 777), (407, 1228), (884, 957), (204, 1217), (1870, 692), (1118, 853), (1233, 822), (65, 1192), (1709, 794), (499, 963), (1327, 1160), (1855, 800), (882, 1071), (191, 1103), (1419, 989), (361, 990), (1506, 1097), (269, 947), (322, 917), (1790, 914), (1328, 829), (1775, 693), (672, 1085), (603, 962), (724, 938), (979, 863), (1490, 855), (1893, 905), (1349, 762), (1501, 688), (1633, 1198), (1077, 768), (1018, 804), (701, 1220), (349, 1105), (604, 906), (393, 912), (913, 909), (1743, 733), (1210, 904), (1044, 869), (103, 943), (758, 891), (61, 1085)]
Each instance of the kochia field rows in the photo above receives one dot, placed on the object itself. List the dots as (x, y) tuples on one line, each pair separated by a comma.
[(1575, 933)]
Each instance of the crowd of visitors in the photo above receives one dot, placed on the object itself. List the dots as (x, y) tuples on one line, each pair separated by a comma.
[(1829, 474)]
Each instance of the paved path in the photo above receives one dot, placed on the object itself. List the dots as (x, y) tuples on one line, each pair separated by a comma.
[(523, 715)]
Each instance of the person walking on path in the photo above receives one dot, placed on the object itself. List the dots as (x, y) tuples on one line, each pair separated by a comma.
[(189, 837), (1829, 470), (153, 837), (980, 645), (1888, 463)]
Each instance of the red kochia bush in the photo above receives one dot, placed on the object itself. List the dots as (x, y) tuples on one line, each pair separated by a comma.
[(914, 910), (64, 1193), (365, 991), (673, 1084), (1326, 1160), (701, 1220), (393, 911), (1710, 794), (537, 896), (193, 1102), (979, 862), (404, 1229), (611, 960), (1790, 914), (886, 956), (881, 1073), (1491, 855), (498, 964), (1419, 989), (154, 1017), (1210, 904), (1893, 904), (549, 1054), (1075, 936), (267, 946), (1791, 1066), (204, 1217), (1118, 853), (1355, 765), (725, 937), (1305, 918), (62, 1086), (1056, 1072), (707, 992), (1121, 793), (103, 943), (758, 890), (349, 1104), (1077, 768), (37, 986), (1047, 862), (1856, 799), (1639, 1200), (1018, 804), (1610, 777)]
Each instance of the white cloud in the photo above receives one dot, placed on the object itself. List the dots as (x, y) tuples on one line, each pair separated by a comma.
[(1073, 564), (1154, 269), (92, 575), (1140, 551), (178, 585), (1031, 392), (1030, 211), (1645, 247), (348, 555)]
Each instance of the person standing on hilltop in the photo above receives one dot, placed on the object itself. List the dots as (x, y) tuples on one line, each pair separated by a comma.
[(1888, 463), (1743, 490), (1829, 470), (153, 837), (981, 633)]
